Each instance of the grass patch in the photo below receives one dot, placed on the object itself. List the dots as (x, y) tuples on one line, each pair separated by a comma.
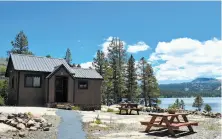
[(110, 110), (98, 121), (75, 108)]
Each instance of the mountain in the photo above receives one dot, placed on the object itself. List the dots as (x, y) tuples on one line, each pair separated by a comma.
[(204, 86)]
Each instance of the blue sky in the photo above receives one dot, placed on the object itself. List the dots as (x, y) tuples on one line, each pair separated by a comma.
[(85, 27)]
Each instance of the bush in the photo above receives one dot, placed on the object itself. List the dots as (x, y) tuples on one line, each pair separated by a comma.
[(2, 102), (110, 110), (98, 121), (75, 108), (207, 108)]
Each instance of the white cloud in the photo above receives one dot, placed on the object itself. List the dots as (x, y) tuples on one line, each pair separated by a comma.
[(186, 59), (86, 65), (140, 46)]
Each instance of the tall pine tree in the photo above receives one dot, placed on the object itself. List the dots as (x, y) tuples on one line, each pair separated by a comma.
[(131, 79), (68, 56), (107, 84), (99, 62), (20, 45), (149, 83), (117, 60)]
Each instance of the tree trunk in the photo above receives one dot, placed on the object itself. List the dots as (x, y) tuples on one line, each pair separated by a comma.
[(150, 103)]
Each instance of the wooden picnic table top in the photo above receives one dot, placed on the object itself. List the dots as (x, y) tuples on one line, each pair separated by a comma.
[(167, 114)]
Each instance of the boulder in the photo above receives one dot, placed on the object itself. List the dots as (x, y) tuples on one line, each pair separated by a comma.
[(30, 123), (19, 120), (20, 126), (49, 124), (212, 115), (13, 123), (37, 125), (3, 118), (32, 129), (10, 116), (46, 129), (39, 119), (21, 134)]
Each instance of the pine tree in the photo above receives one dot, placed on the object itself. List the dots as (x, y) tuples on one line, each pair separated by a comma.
[(68, 56), (117, 59), (99, 62), (78, 66), (131, 79), (20, 45), (48, 56), (198, 102), (107, 84), (177, 103), (207, 108), (143, 78), (149, 83)]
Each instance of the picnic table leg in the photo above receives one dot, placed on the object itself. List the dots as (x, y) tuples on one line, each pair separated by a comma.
[(120, 111), (127, 111), (150, 124), (138, 112), (186, 120), (170, 129), (130, 111)]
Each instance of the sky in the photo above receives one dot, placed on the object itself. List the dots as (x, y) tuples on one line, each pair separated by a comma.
[(181, 40)]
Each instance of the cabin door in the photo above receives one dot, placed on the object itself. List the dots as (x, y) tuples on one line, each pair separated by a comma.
[(61, 89)]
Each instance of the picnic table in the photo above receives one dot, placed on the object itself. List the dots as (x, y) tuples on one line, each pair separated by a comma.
[(166, 120), (128, 107)]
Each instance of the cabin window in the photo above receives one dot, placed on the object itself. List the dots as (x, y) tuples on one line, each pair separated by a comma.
[(83, 84), (12, 85), (33, 81)]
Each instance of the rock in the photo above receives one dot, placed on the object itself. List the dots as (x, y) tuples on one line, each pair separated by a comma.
[(37, 125), (212, 115), (22, 134), (8, 121), (10, 116), (39, 119), (19, 120), (13, 123), (49, 124), (46, 129), (20, 126), (3, 118), (31, 123), (32, 129)]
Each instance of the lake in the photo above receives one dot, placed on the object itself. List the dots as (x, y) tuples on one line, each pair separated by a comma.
[(214, 102)]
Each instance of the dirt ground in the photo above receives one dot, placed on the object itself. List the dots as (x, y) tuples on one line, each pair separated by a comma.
[(115, 126)]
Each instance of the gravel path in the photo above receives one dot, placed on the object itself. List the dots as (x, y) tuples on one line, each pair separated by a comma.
[(70, 126)]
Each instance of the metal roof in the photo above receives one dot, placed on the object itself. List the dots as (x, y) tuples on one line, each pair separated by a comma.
[(86, 73), (44, 64)]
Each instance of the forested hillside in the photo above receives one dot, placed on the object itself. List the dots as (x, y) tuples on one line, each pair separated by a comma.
[(206, 87)]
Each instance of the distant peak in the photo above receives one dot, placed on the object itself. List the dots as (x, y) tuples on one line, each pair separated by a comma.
[(204, 79)]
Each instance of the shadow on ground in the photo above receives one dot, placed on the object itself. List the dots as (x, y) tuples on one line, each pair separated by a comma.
[(163, 132)]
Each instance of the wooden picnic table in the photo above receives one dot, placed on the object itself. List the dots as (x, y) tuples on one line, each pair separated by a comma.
[(167, 121), (128, 107)]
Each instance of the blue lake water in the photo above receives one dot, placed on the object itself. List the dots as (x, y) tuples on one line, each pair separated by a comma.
[(214, 102)]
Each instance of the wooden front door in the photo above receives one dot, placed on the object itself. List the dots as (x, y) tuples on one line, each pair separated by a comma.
[(61, 89)]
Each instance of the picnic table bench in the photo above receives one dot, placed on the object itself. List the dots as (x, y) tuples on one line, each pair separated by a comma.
[(128, 107), (170, 124)]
